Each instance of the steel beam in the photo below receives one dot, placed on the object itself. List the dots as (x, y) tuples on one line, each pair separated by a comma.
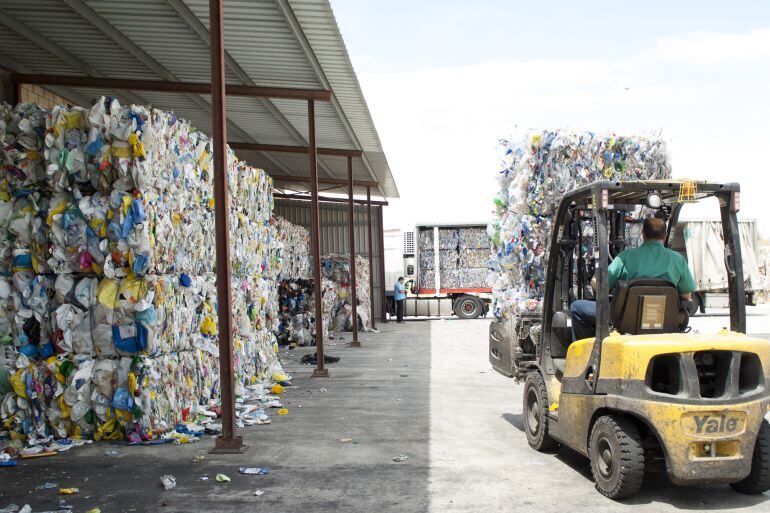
[(383, 299), (371, 254), (330, 181), (326, 199), (172, 87), (315, 240), (293, 149), (352, 243), (227, 442)]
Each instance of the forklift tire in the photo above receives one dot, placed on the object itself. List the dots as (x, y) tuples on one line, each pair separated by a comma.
[(758, 480), (617, 456), (535, 413), (468, 307)]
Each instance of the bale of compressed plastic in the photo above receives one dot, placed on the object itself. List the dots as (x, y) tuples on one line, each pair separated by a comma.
[(335, 270), (469, 258), (427, 259), (473, 238), (537, 170), (448, 259), (108, 295), (448, 238)]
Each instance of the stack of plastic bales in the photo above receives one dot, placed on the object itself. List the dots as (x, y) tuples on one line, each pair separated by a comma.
[(536, 171), (463, 257), (335, 288), (109, 309), (296, 317), (294, 244)]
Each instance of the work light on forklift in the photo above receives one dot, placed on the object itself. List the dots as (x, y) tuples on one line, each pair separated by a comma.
[(654, 200), (736, 201)]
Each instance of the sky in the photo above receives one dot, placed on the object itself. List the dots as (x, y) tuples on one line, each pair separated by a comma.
[(446, 79)]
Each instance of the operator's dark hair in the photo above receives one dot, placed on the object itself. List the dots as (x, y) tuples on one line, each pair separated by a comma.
[(400, 278), (654, 228)]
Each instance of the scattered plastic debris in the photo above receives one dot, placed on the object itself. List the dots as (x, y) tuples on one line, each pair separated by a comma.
[(259, 493), (47, 486), (254, 471), (168, 481), (400, 458), (199, 458), (282, 411), (222, 478), (69, 491)]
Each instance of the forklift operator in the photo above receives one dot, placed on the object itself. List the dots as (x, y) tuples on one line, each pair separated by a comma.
[(650, 260)]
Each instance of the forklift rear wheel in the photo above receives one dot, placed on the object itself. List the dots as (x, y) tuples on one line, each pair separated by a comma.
[(617, 456), (536, 413), (758, 481), (468, 307)]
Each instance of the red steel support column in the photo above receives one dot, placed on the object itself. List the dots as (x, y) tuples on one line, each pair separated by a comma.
[(383, 298), (371, 253), (227, 442), (352, 240), (315, 241)]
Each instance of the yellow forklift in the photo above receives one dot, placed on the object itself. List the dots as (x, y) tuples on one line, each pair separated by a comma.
[(646, 391)]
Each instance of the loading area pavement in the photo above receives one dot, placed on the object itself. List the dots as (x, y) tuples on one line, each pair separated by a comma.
[(423, 390)]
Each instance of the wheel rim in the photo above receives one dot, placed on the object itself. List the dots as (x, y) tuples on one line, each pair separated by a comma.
[(604, 457), (469, 307), (533, 412)]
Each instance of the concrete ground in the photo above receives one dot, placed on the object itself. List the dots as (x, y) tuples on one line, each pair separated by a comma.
[(423, 389)]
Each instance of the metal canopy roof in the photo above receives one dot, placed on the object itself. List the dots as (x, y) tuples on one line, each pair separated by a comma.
[(269, 43)]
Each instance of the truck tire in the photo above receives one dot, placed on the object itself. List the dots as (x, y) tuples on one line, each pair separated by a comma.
[(617, 456), (468, 307), (758, 480), (535, 413)]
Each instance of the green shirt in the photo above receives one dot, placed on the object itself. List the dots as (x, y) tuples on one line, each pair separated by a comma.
[(652, 260)]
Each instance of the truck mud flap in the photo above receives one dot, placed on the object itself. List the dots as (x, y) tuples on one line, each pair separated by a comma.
[(501, 349)]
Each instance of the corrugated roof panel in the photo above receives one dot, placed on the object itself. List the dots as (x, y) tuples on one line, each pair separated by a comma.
[(282, 43), (31, 55), (321, 29), (58, 23), (160, 32), (257, 37), (330, 131), (251, 116)]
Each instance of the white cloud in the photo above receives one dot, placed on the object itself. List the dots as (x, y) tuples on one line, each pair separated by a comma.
[(711, 48), (439, 126)]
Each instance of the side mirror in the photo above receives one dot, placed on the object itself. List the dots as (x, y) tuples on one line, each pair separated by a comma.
[(560, 319), (561, 326)]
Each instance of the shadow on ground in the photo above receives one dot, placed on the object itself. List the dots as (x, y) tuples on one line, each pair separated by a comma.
[(377, 400)]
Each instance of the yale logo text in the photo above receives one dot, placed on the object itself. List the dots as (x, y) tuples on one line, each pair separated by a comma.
[(715, 424)]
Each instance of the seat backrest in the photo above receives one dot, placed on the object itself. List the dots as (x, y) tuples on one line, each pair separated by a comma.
[(645, 306)]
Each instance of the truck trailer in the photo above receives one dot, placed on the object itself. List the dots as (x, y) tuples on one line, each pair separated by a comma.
[(700, 241), (445, 267)]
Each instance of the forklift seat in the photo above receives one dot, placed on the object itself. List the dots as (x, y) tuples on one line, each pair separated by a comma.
[(647, 306)]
